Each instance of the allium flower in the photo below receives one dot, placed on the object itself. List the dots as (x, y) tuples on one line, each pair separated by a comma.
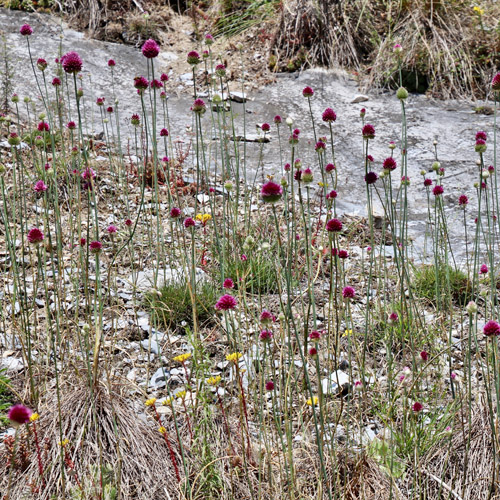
[(265, 127), (362, 112), (495, 83), (438, 190), (155, 84), (329, 167), (175, 212), (164, 77), (150, 49), (163, 132), (128, 222), (243, 257), (111, 63), (405, 180), (226, 303), (43, 126), (209, 39), (271, 192), (427, 182), (492, 328), (26, 30), (483, 269), (313, 352), (83, 242), (40, 186), (71, 125), (371, 178), (193, 58), (220, 70), (228, 283), (111, 229), (266, 317), (95, 247), (397, 49), (199, 106), (368, 131), (329, 115), (343, 254), (424, 356), (14, 139), (140, 83), (348, 292), (269, 385), (266, 335), (463, 200), (481, 135), (298, 175), (71, 62), (308, 92), (320, 147), (417, 407), (277, 119), (389, 164), (88, 174), (402, 94), (35, 236), (315, 335), (134, 120), (56, 82), (334, 226), (109, 109), (480, 146), (471, 308), (189, 222), (393, 318), (41, 64), (307, 176), (19, 414), (331, 195)]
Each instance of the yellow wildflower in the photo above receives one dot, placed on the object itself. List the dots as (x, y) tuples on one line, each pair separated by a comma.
[(348, 332), (214, 380), (321, 184), (182, 357), (234, 357), (168, 401), (312, 401), (150, 402), (64, 442), (203, 218), (478, 10), (34, 417), (181, 394), (162, 430)]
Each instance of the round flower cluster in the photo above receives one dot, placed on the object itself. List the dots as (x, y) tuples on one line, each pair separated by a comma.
[(150, 49), (226, 303), (71, 62)]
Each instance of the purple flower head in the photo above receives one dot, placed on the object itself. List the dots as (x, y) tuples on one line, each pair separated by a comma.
[(348, 292), (71, 125), (271, 192), (334, 226), (72, 62), (343, 254), (226, 303), (424, 356), (135, 120), (389, 164), (265, 127), (109, 109), (43, 126), (140, 83), (266, 317), (95, 247), (427, 182), (40, 186), (111, 229), (495, 83), (41, 64), (329, 115), (269, 385), (371, 178), (463, 200), (128, 222), (315, 335), (483, 269), (199, 106), (228, 283), (220, 70), (209, 39), (277, 119), (308, 92), (438, 190), (155, 84), (266, 335), (329, 167), (481, 135), (19, 414), (480, 146), (491, 329), (331, 195), (417, 407), (193, 58), (362, 112), (26, 30), (56, 82), (164, 77), (320, 147), (175, 212), (368, 131), (150, 49), (163, 132), (35, 236), (111, 63), (189, 222)]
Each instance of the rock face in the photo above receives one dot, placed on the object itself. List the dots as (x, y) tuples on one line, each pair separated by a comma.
[(453, 124)]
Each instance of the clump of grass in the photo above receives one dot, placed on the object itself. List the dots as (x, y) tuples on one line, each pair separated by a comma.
[(172, 305), (5, 397), (424, 283)]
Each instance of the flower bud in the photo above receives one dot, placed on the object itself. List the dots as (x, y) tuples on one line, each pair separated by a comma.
[(402, 94)]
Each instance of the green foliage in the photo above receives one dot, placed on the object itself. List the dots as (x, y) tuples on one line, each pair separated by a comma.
[(424, 284), (173, 304), (5, 398)]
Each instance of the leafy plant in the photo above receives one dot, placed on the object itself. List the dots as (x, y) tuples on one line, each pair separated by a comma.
[(5, 397)]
